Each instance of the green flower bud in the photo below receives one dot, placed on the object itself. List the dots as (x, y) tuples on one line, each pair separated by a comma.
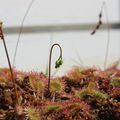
[(58, 63)]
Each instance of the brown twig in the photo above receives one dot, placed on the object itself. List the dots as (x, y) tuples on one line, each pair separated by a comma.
[(99, 22), (9, 63)]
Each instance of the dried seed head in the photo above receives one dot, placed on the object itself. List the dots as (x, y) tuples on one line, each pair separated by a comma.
[(1, 34), (1, 23)]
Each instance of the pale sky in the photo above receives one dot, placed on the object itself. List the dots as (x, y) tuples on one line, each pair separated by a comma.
[(55, 11), (33, 48)]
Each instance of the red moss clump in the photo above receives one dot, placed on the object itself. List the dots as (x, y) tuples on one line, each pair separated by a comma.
[(82, 94)]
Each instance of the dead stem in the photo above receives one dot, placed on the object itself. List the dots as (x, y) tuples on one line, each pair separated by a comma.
[(104, 6), (99, 22), (9, 63)]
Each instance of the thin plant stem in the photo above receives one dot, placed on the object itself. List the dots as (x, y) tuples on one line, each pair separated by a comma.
[(50, 56), (108, 37), (51, 41), (104, 7), (20, 32), (54, 95), (9, 63)]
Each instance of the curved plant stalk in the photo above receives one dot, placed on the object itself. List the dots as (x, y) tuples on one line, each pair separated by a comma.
[(58, 63), (9, 63), (16, 48)]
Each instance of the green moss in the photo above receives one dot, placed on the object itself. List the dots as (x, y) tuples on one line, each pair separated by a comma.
[(36, 84), (51, 108), (56, 86), (115, 82), (3, 81), (75, 111), (91, 92), (32, 113)]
